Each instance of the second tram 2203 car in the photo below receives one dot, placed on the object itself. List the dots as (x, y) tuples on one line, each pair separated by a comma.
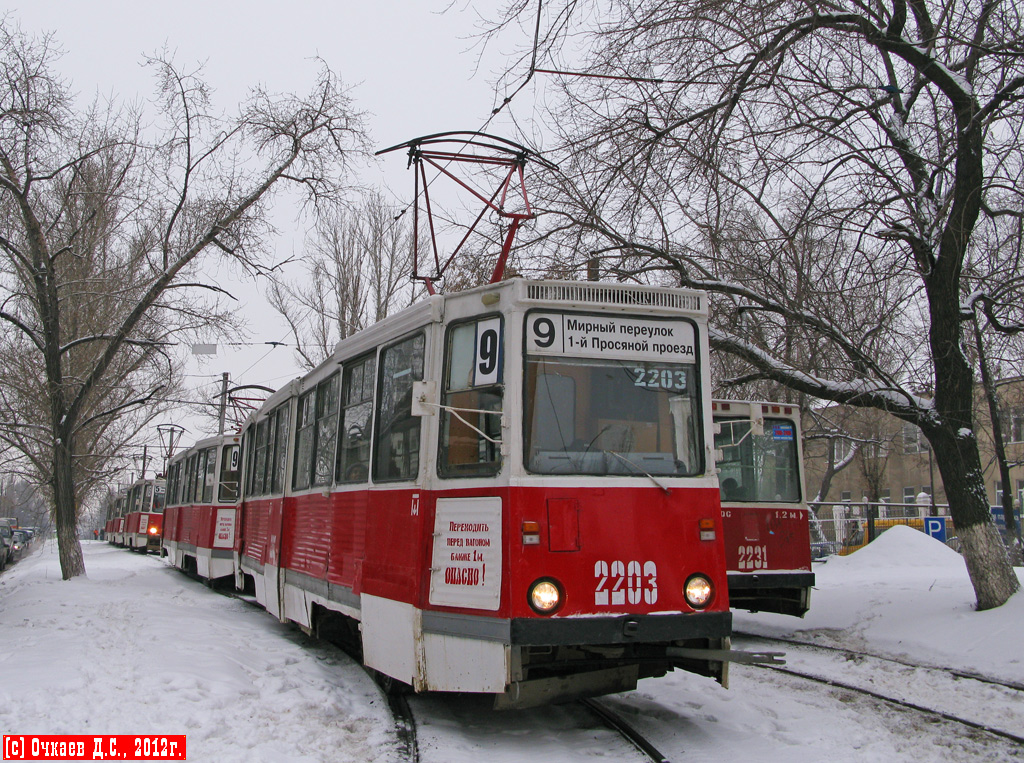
[(508, 490)]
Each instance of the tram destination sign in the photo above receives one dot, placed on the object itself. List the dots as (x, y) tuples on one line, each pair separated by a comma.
[(610, 336)]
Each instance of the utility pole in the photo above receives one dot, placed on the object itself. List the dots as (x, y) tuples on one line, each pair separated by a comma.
[(223, 402), (145, 461)]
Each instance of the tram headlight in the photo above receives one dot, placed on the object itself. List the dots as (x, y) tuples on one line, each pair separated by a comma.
[(152, 530), (545, 596), (698, 591)]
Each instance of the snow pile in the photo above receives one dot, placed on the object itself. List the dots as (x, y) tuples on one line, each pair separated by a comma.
[(137, 648), (905, 595)]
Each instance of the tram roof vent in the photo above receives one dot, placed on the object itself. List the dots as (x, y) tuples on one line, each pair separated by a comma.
[(615, 294)]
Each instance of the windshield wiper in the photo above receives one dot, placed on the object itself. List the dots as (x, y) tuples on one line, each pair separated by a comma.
[(643, 471)]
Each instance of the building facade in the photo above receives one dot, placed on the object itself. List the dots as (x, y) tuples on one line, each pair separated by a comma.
[(891, 462)]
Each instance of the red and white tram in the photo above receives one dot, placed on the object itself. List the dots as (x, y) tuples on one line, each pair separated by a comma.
[(143, 520), (202, 503), (764, 514), (507, 490), (113, 529)]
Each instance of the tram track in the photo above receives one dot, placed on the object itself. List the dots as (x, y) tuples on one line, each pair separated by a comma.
[(966, 674), (628, 732), (404, 726), (918, 687), (457, 725)]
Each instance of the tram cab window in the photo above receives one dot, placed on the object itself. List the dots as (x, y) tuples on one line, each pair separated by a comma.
[(470, 440), (355, 420), (396, 446), (762, 468), (607, 416), (227, 491), (159, 498)]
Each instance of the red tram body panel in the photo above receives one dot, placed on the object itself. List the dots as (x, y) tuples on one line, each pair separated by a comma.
[(765, 517), (508, 490)]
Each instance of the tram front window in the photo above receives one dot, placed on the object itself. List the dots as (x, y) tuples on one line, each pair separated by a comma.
[(612, 417), (473, 391), (762, 468)]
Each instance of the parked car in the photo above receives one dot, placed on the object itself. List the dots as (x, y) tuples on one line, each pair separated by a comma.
[(6, 541)]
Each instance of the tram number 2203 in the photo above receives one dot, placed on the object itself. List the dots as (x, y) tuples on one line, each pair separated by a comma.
[(622, 582), (753, 557)]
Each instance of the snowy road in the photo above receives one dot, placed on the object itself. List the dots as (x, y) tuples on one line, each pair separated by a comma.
[(138, 648)]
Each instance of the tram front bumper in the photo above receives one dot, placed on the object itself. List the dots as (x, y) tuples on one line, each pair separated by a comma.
[(620, 629)]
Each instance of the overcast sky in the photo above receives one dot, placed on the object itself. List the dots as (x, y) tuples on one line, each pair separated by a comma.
[(410, 64)]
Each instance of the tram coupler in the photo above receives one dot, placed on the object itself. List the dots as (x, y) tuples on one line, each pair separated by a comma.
[(727, 655)]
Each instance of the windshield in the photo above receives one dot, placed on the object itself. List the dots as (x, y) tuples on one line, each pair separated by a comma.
[(592, 416), (762, 468)]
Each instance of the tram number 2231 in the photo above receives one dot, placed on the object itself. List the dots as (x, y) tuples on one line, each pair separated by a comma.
[(753, 557), (622, 582)]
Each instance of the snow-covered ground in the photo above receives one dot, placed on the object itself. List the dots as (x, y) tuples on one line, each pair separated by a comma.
[(137, 648)]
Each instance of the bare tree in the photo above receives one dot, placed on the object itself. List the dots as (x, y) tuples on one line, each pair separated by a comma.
[(106, 224), (713, 140), (357, 273)]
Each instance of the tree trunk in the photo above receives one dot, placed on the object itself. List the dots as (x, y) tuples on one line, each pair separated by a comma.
[(952, 436), (988, 383), (993, 578), (65, 517)]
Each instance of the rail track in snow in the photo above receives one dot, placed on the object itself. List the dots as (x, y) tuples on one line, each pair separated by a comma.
[(978, 702), (413, 713)]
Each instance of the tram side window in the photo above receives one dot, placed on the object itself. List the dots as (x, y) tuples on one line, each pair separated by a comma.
[(227, 491), (305, 422), (279, 462), (355, 421), (260, 457), (196, 487), (473, 382), (326, 430), (186, 472), (172, 484), (397, 433), (248, 441), (195, 476), (176, 495), (211, 475)]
